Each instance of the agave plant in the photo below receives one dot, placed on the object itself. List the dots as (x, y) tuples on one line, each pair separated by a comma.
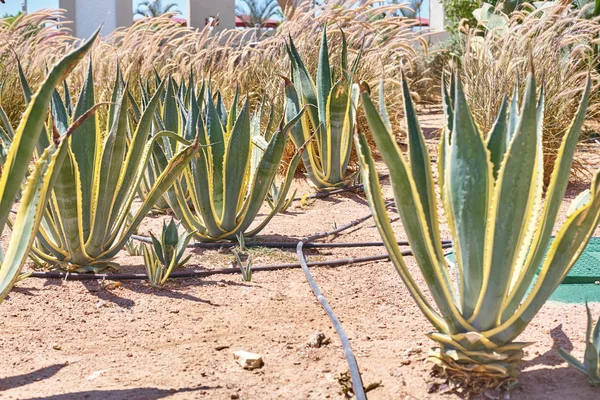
[(224, 188), (87, 222), (166, 253), (22, 147), (330, 115), (591, 359), (491, 190)]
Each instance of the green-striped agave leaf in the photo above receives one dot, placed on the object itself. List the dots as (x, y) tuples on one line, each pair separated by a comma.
[(24, 145)]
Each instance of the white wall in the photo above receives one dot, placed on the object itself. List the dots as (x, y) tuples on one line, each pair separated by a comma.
[(88, 15), (437, 21), (91, 14), (200, 10)]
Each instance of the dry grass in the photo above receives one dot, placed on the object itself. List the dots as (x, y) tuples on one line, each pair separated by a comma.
[(250, 59), (561, 45), (37, 42)]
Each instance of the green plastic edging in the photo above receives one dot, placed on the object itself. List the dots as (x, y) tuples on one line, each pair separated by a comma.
[(579, 285)]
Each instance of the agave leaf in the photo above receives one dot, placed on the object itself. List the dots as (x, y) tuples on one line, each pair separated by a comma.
[(554, 195), (420, 164), (382, 107), (301, 136), (217, 153), (590, 358), (413, 218), (306, 85), (30, 212), (515, 199), (84, 147), (236, 160), (107, 176), (572, 361), (27, 92), (222, 110), (116, 93), (60, 118), (170, 112), (9, 130), (338, 130), (280, 205), (568, 245), (130, 167), (68, 206), (29, 130), (323, 78), (266, 172), (373, 192), (469, 181), (513, 114), (497, 140), (168, 176), (158, 250)]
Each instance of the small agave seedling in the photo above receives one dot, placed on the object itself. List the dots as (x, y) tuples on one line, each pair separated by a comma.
[(246, 269), (134, 248), (491, 191), (330, 114), (591, 359), (21, 145), (166, 254), (273, 198)]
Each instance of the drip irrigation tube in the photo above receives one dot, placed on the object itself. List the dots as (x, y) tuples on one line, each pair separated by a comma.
[(281, 245), (74, 276), (357, 384)]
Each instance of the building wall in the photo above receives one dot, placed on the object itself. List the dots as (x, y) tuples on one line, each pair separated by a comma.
[(89, 15), (437, 21), (201, 10), (70, 7)]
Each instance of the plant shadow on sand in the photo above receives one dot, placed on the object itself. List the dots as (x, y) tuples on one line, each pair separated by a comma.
[(558, 382), (30, 377), (130, 394)]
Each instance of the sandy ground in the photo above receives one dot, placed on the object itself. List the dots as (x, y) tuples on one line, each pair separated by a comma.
[(76, 340)]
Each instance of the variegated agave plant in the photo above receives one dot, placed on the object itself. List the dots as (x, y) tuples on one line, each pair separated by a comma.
[(591, 359), (224, 188), (87, 222), (330, 115), (21, 146), (491, 192)]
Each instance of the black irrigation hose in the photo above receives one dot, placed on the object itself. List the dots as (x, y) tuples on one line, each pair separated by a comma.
[(198, 274), (74, 276), (281, 245), (357, 384)]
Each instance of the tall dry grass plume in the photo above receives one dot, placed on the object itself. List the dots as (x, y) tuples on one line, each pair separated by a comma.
[(560, 43), (250, 59), (36, 40)]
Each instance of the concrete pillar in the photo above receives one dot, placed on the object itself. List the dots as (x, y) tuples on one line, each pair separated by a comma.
[(70, 7), (201, 12), (437, 21), (88, 15)]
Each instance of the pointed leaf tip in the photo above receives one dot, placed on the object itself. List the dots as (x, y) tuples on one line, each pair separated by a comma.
[(364, 88)]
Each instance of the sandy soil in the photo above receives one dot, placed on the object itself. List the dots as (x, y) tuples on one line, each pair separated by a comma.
[(76, 340)]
